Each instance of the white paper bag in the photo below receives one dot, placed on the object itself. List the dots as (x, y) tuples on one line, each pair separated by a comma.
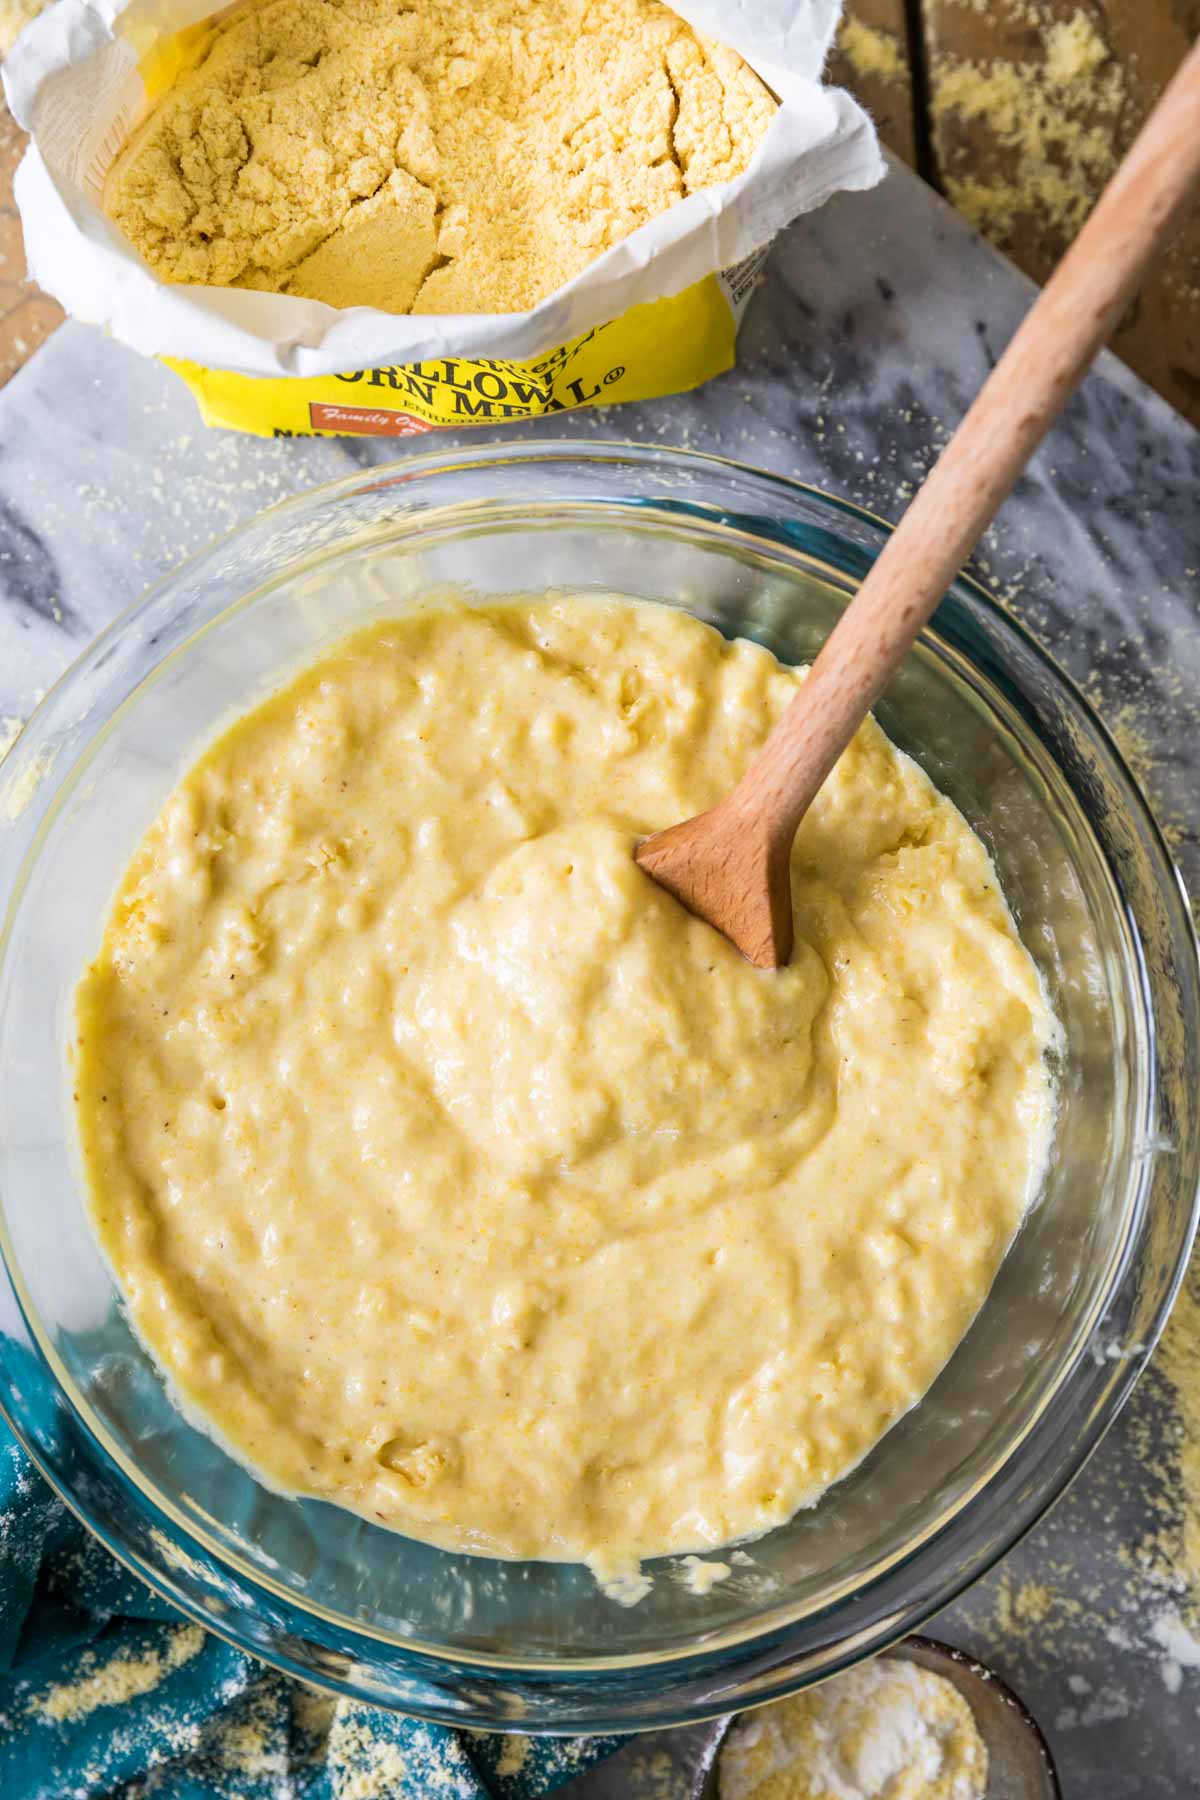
[(73, 81)]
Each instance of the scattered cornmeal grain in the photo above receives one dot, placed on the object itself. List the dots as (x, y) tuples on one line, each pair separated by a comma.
[(118, 1680), (870, 51), (888, 1729), (363, 1765), (468, 156), (1052, 124), (1178, 1358), (513, 1757), (312, 1720)]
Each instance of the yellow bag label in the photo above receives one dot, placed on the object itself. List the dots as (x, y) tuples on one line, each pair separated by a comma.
[(659, 348)]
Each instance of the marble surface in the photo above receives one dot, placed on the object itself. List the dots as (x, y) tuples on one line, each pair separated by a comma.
[(877, 321)]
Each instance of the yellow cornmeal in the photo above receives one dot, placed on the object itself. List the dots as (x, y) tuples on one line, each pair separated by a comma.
[(445, 156), (458, 1175), (117, 1679), (887, 1730)]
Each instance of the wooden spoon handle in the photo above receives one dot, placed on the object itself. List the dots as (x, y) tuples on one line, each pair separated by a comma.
[(1018, 403)]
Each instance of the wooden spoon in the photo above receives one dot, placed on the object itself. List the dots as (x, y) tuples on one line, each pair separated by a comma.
[(730, 865)]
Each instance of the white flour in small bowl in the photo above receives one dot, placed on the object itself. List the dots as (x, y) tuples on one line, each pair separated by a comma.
[(886, 1731)]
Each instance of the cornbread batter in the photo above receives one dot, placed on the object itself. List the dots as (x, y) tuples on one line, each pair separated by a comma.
[(458, 1175), (440, 156)]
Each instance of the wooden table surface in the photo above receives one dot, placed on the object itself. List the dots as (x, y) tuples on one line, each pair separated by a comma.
[(1016, 109)]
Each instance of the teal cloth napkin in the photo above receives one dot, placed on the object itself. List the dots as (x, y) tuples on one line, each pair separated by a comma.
[(106, 1693)]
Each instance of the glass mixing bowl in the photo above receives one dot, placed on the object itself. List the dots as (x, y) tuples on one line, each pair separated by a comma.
[(1050, 1358)]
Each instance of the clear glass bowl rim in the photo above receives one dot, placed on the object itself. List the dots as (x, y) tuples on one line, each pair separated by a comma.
[(780, 494)]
